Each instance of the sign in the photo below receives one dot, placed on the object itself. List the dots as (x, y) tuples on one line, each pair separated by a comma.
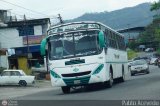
[(11, 52), (73, 27), (33, 39)]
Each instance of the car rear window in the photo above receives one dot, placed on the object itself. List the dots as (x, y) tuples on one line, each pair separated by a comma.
[(139, 62)]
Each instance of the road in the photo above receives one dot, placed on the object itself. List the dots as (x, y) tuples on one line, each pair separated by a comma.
[(144, 86), (139, 87)]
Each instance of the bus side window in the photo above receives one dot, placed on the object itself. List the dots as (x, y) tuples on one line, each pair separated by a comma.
[(106, 38)]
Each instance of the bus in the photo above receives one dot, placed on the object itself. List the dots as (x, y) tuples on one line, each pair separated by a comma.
[(84, 53)]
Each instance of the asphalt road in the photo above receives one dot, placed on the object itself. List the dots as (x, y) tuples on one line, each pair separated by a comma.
[(143, 86), (139, 87)]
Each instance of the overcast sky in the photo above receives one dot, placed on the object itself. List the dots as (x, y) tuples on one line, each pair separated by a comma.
[(67, 8)]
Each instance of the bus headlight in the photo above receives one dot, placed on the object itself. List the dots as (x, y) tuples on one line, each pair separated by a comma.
[(55, 75), (98, 69)]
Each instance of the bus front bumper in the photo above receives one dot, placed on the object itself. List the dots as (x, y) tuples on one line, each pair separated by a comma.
[(77, 81)]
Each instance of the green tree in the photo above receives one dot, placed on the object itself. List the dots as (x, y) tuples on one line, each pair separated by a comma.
[(155, 6), (132, 45), (157, 34)]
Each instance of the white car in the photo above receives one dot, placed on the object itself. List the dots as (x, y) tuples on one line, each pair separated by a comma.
[(139, 66), (16, 77), (149, 50), (153, 60)]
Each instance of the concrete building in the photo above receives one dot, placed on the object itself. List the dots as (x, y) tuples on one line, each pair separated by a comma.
[(21, 40), (131, 34)]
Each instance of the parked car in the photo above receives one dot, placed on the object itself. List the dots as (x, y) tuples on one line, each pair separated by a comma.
[(139, 66), (158, 62), (153, 61), (129, 63), (149, 50), (16, 77), (147, 59)]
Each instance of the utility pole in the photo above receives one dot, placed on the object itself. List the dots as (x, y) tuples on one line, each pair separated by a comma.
[(25, 27), (60, 19)]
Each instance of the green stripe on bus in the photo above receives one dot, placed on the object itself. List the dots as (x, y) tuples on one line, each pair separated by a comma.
[(70, 81)]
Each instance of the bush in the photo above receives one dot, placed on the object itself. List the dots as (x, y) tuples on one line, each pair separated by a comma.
[(131, 54), (158, 51), (133, 45)]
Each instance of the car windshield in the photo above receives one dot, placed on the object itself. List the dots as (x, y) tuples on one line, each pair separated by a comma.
[(138, 62), (73, 44)]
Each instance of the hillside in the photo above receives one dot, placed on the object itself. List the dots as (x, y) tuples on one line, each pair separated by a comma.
[(139, 15)]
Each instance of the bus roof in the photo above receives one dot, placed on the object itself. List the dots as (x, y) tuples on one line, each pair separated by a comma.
[(86, 22), (80, 22)]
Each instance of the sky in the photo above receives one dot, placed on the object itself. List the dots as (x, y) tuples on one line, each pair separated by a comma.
[(68, 9)]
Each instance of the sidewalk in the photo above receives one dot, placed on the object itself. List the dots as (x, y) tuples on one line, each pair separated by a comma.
[(43, 83), (9, 92)]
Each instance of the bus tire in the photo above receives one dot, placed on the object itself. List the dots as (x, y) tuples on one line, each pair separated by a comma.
[(122, 79), (110, 82), (65, 89)]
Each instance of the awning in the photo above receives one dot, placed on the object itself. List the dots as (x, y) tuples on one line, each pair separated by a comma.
[(24, 50)]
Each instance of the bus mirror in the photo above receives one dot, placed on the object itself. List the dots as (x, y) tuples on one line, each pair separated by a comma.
[(43, 46), (101, 39)]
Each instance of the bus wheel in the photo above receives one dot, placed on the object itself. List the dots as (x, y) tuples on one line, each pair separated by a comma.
[(110, 82), (65, 89), (122, 79)]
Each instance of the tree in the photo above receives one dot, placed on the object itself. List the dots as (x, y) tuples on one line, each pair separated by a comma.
[(155, 6), (132, 45)]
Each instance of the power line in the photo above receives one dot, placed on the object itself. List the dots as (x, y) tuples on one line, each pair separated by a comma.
[(52, 16), (23, 8), (59, 17)]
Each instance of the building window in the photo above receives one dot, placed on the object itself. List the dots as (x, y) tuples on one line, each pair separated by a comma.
[(26, 30)]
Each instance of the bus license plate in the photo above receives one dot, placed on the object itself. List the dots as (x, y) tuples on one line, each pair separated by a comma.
[(77, 81)]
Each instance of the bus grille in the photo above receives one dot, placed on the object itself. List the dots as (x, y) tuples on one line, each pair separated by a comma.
[(71, 62), (76, 74), (82, 81)]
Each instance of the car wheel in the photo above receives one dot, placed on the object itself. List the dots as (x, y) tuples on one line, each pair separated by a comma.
[(65, 89), (147, 71), (22, 83)]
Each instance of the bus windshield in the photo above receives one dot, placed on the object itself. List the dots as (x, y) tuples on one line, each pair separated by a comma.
[(73, 44)]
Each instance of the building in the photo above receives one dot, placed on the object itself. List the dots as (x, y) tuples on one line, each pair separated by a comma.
[(20, 43), (132, 33)]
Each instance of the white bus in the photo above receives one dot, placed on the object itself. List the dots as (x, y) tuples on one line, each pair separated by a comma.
[(83, 53)]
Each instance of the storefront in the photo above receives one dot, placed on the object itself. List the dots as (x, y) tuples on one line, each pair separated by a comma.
[(28, 57)]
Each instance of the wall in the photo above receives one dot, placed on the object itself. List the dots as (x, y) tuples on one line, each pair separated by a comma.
[(3, 61), (9, 37)]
